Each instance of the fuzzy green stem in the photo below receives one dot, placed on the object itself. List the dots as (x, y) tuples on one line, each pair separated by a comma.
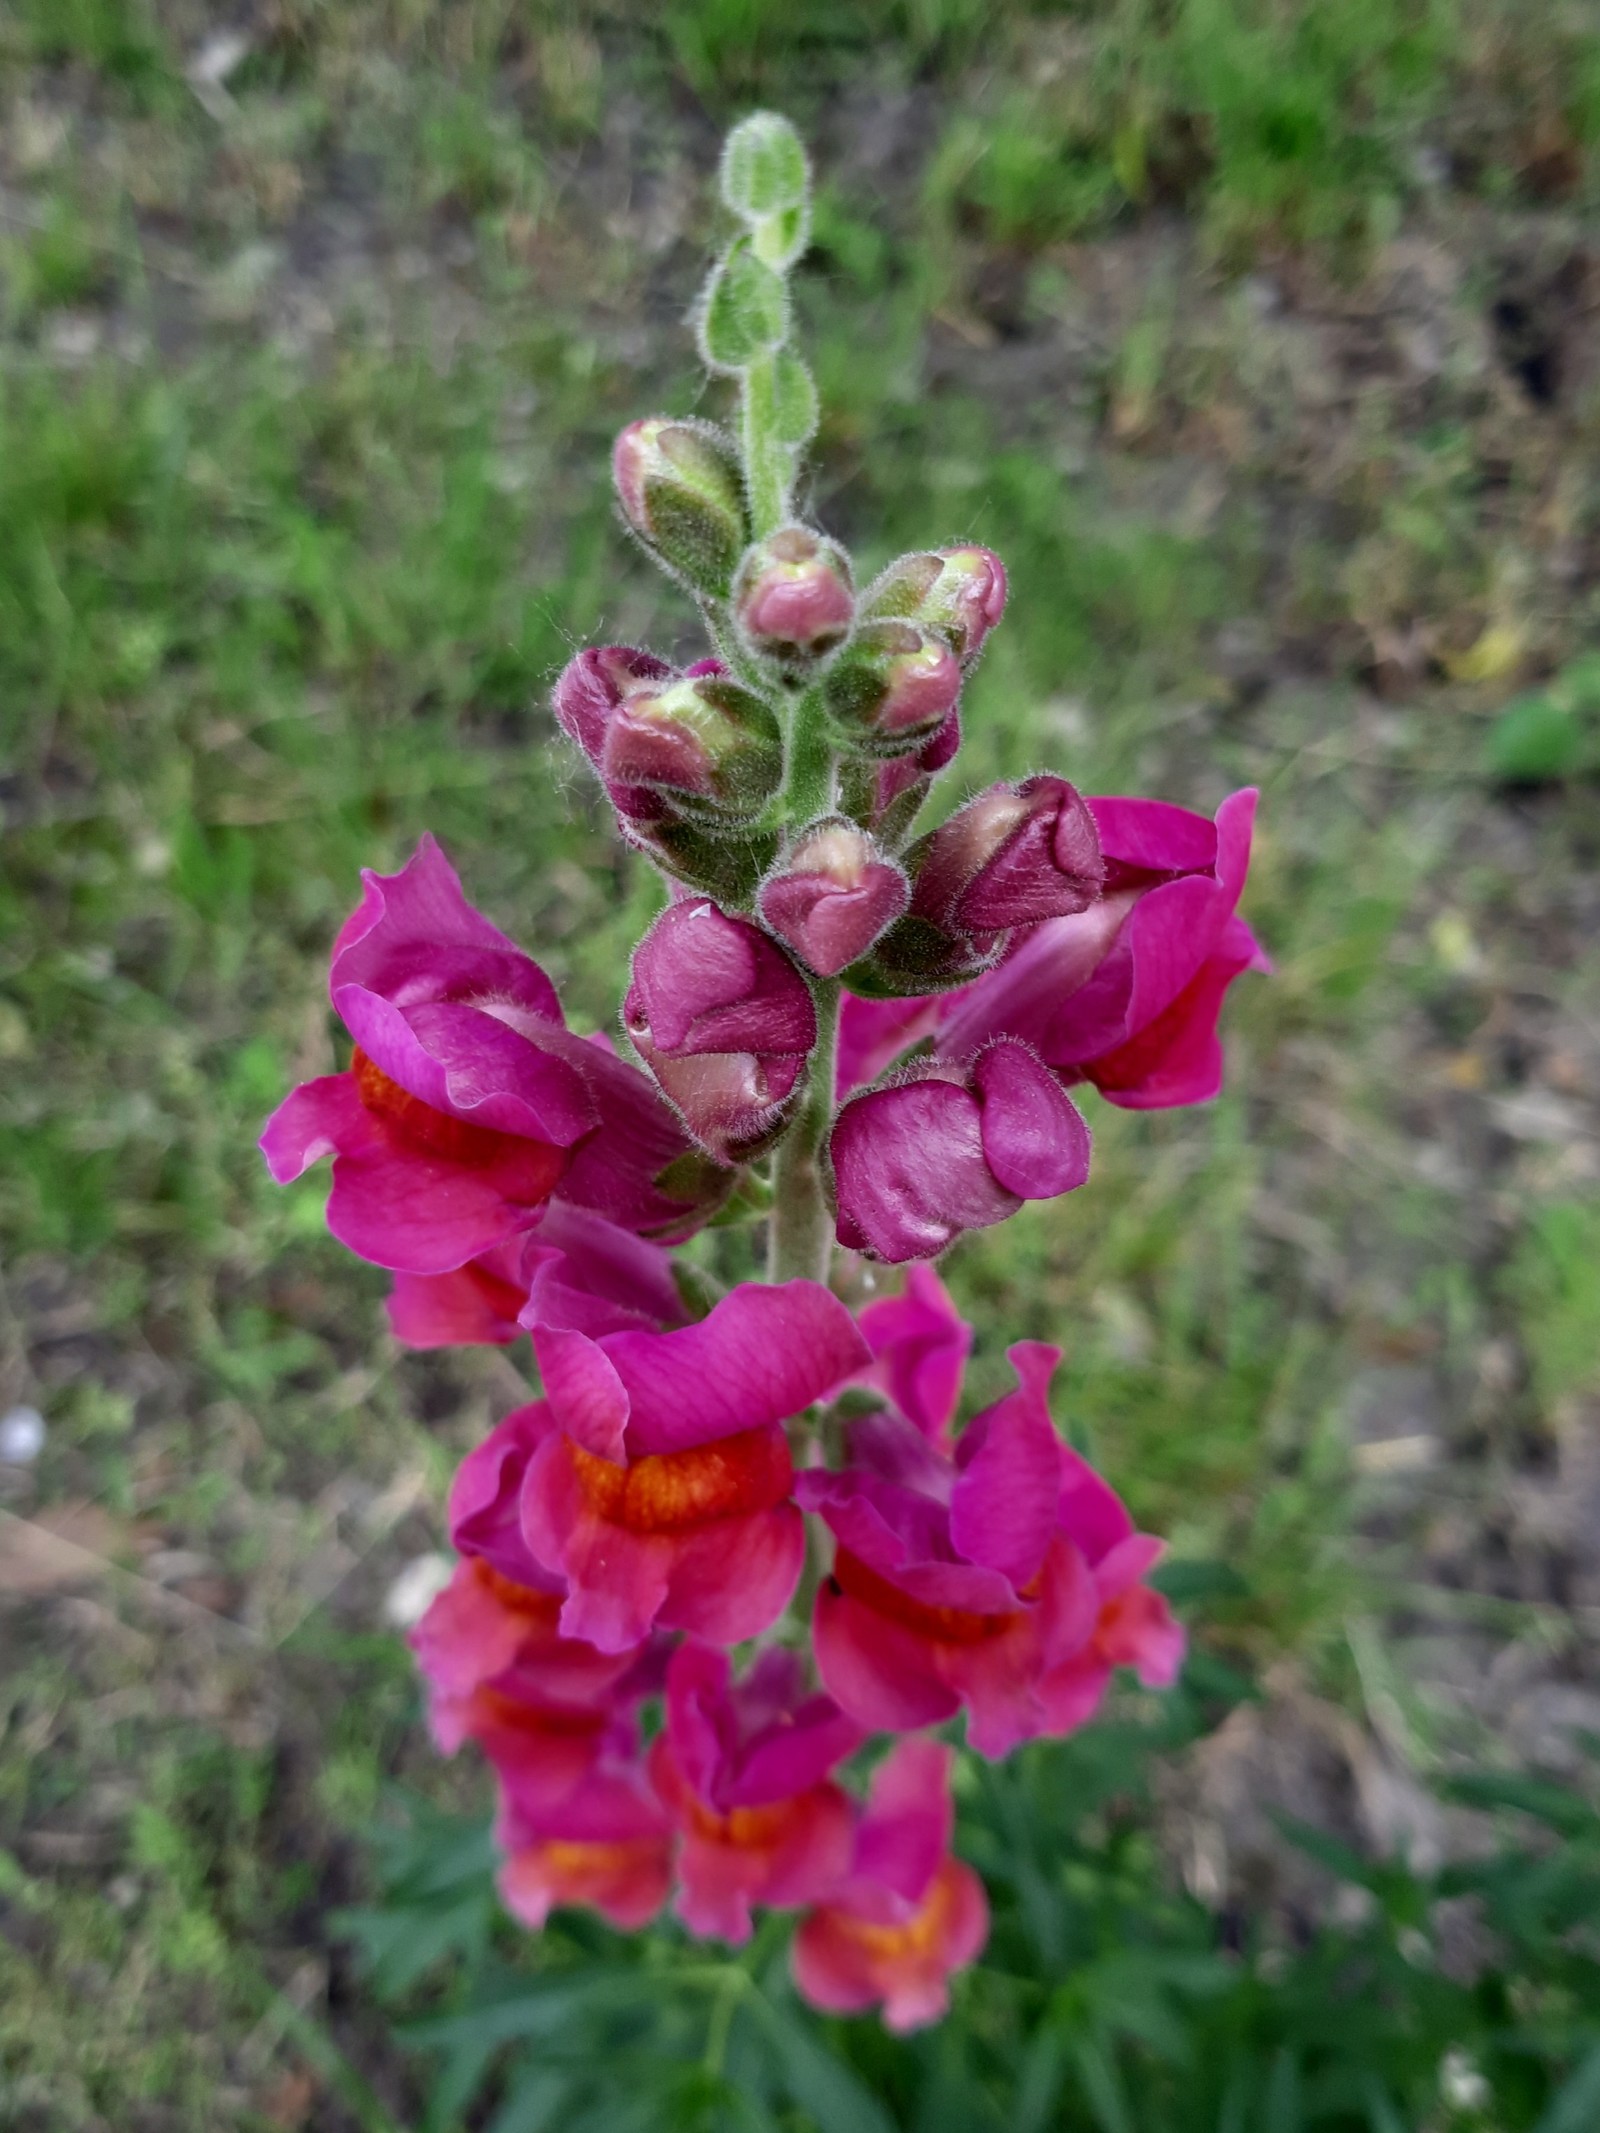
[(766, 457), (800, 1228), (809, 778)]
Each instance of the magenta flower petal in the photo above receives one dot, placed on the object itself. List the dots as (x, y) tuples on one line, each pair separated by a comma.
[(1034, 1139), (704, 982), (470, 1066), (760, 1355), (484, 1518), (1003, 1508), (910, 1171), (873, 1034), (392, 1203), (583, 1389), (733, 1577), (588, 1275), (415, 934), (473, 1305), (920, 1346), (875, 1668)]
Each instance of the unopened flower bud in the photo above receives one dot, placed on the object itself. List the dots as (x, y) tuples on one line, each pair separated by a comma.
[(960, 592), (834, 895), (682, 492), (792, 597), (725, 1023), (1015, 855), (714, 746), (892, 686), (887, 794)]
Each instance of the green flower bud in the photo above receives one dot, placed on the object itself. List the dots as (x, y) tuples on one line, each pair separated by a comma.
[(682, 491)]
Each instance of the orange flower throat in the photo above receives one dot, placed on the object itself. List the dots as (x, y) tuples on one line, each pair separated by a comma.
[(672, 1492), (944, 1625)]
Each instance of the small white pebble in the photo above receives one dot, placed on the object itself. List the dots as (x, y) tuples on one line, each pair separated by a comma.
[(415, 1589), (21, 1436)]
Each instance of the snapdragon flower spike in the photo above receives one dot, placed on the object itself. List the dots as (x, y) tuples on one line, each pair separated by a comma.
[(909, 1915), (832, 896), (945, 1149), (467, 1102), (608, 1846), (960, 592), (891, 688), (792, 599), (663, 1494), (952, 1586), (681, 488), (724, 1022), (1127, 993), (1013, 856), (920, 1344), (744, 1771)]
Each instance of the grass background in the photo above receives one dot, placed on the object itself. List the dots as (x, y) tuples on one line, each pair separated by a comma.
[(1263, 341)]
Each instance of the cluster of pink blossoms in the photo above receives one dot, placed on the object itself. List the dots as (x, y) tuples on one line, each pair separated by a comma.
[(864, 1037)]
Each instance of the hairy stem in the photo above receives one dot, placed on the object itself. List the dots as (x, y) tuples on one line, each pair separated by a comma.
[(800, 1228)]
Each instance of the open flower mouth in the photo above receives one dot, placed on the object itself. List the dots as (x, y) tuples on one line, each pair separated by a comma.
[(673, 1492), (944, 1625)]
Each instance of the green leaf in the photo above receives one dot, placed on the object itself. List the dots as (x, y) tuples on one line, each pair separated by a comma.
[(746, 311), (1102, 2086), (1186, 1582), (534, 2095), (1553, 1805), (818, 2082), (534, 2007), (1575, 2108), (1534, 741)]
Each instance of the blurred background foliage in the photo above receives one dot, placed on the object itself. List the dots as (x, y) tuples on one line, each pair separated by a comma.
[(1263, 339)]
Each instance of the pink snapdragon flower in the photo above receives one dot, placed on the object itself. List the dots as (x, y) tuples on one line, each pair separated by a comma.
[(467, 1101), (743, 1770), (1126, 994), (488, 1644), (608, 1845), (944, 1149), (908, 1915), (952, 1583), (663, 1491), (724, 1021)]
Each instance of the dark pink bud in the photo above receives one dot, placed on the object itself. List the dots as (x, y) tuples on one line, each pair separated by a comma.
[(682, 492), (1015, 855), (892, 687), (835, 894), (949, 1149), (725, 1023), (714, 746), (793, 597), (594, 684), (960, 592)]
